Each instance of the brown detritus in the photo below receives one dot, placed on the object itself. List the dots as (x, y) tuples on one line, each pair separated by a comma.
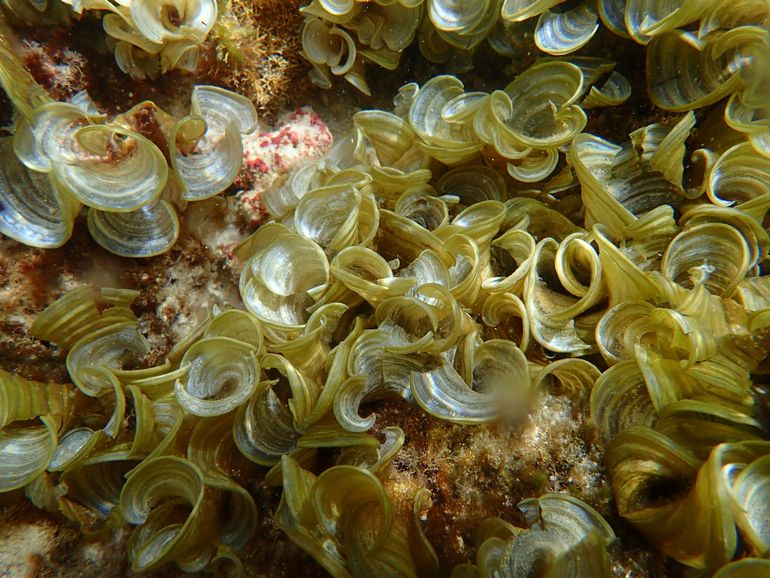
[(21, 353), (465, 487), (255, 50), (614, 123), (631, 557), (32, 278), (144, 120), (71, 57), (177, 290), (53, 63), (477, 472), (6, 113), (36, 543), (269, 553)]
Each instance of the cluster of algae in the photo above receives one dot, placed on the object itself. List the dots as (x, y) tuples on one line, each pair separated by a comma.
[(465, 253), (63, 156)]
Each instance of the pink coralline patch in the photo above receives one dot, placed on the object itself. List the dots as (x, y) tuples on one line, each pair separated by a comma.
[(297, 137), (251, 205), (257, 165)]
